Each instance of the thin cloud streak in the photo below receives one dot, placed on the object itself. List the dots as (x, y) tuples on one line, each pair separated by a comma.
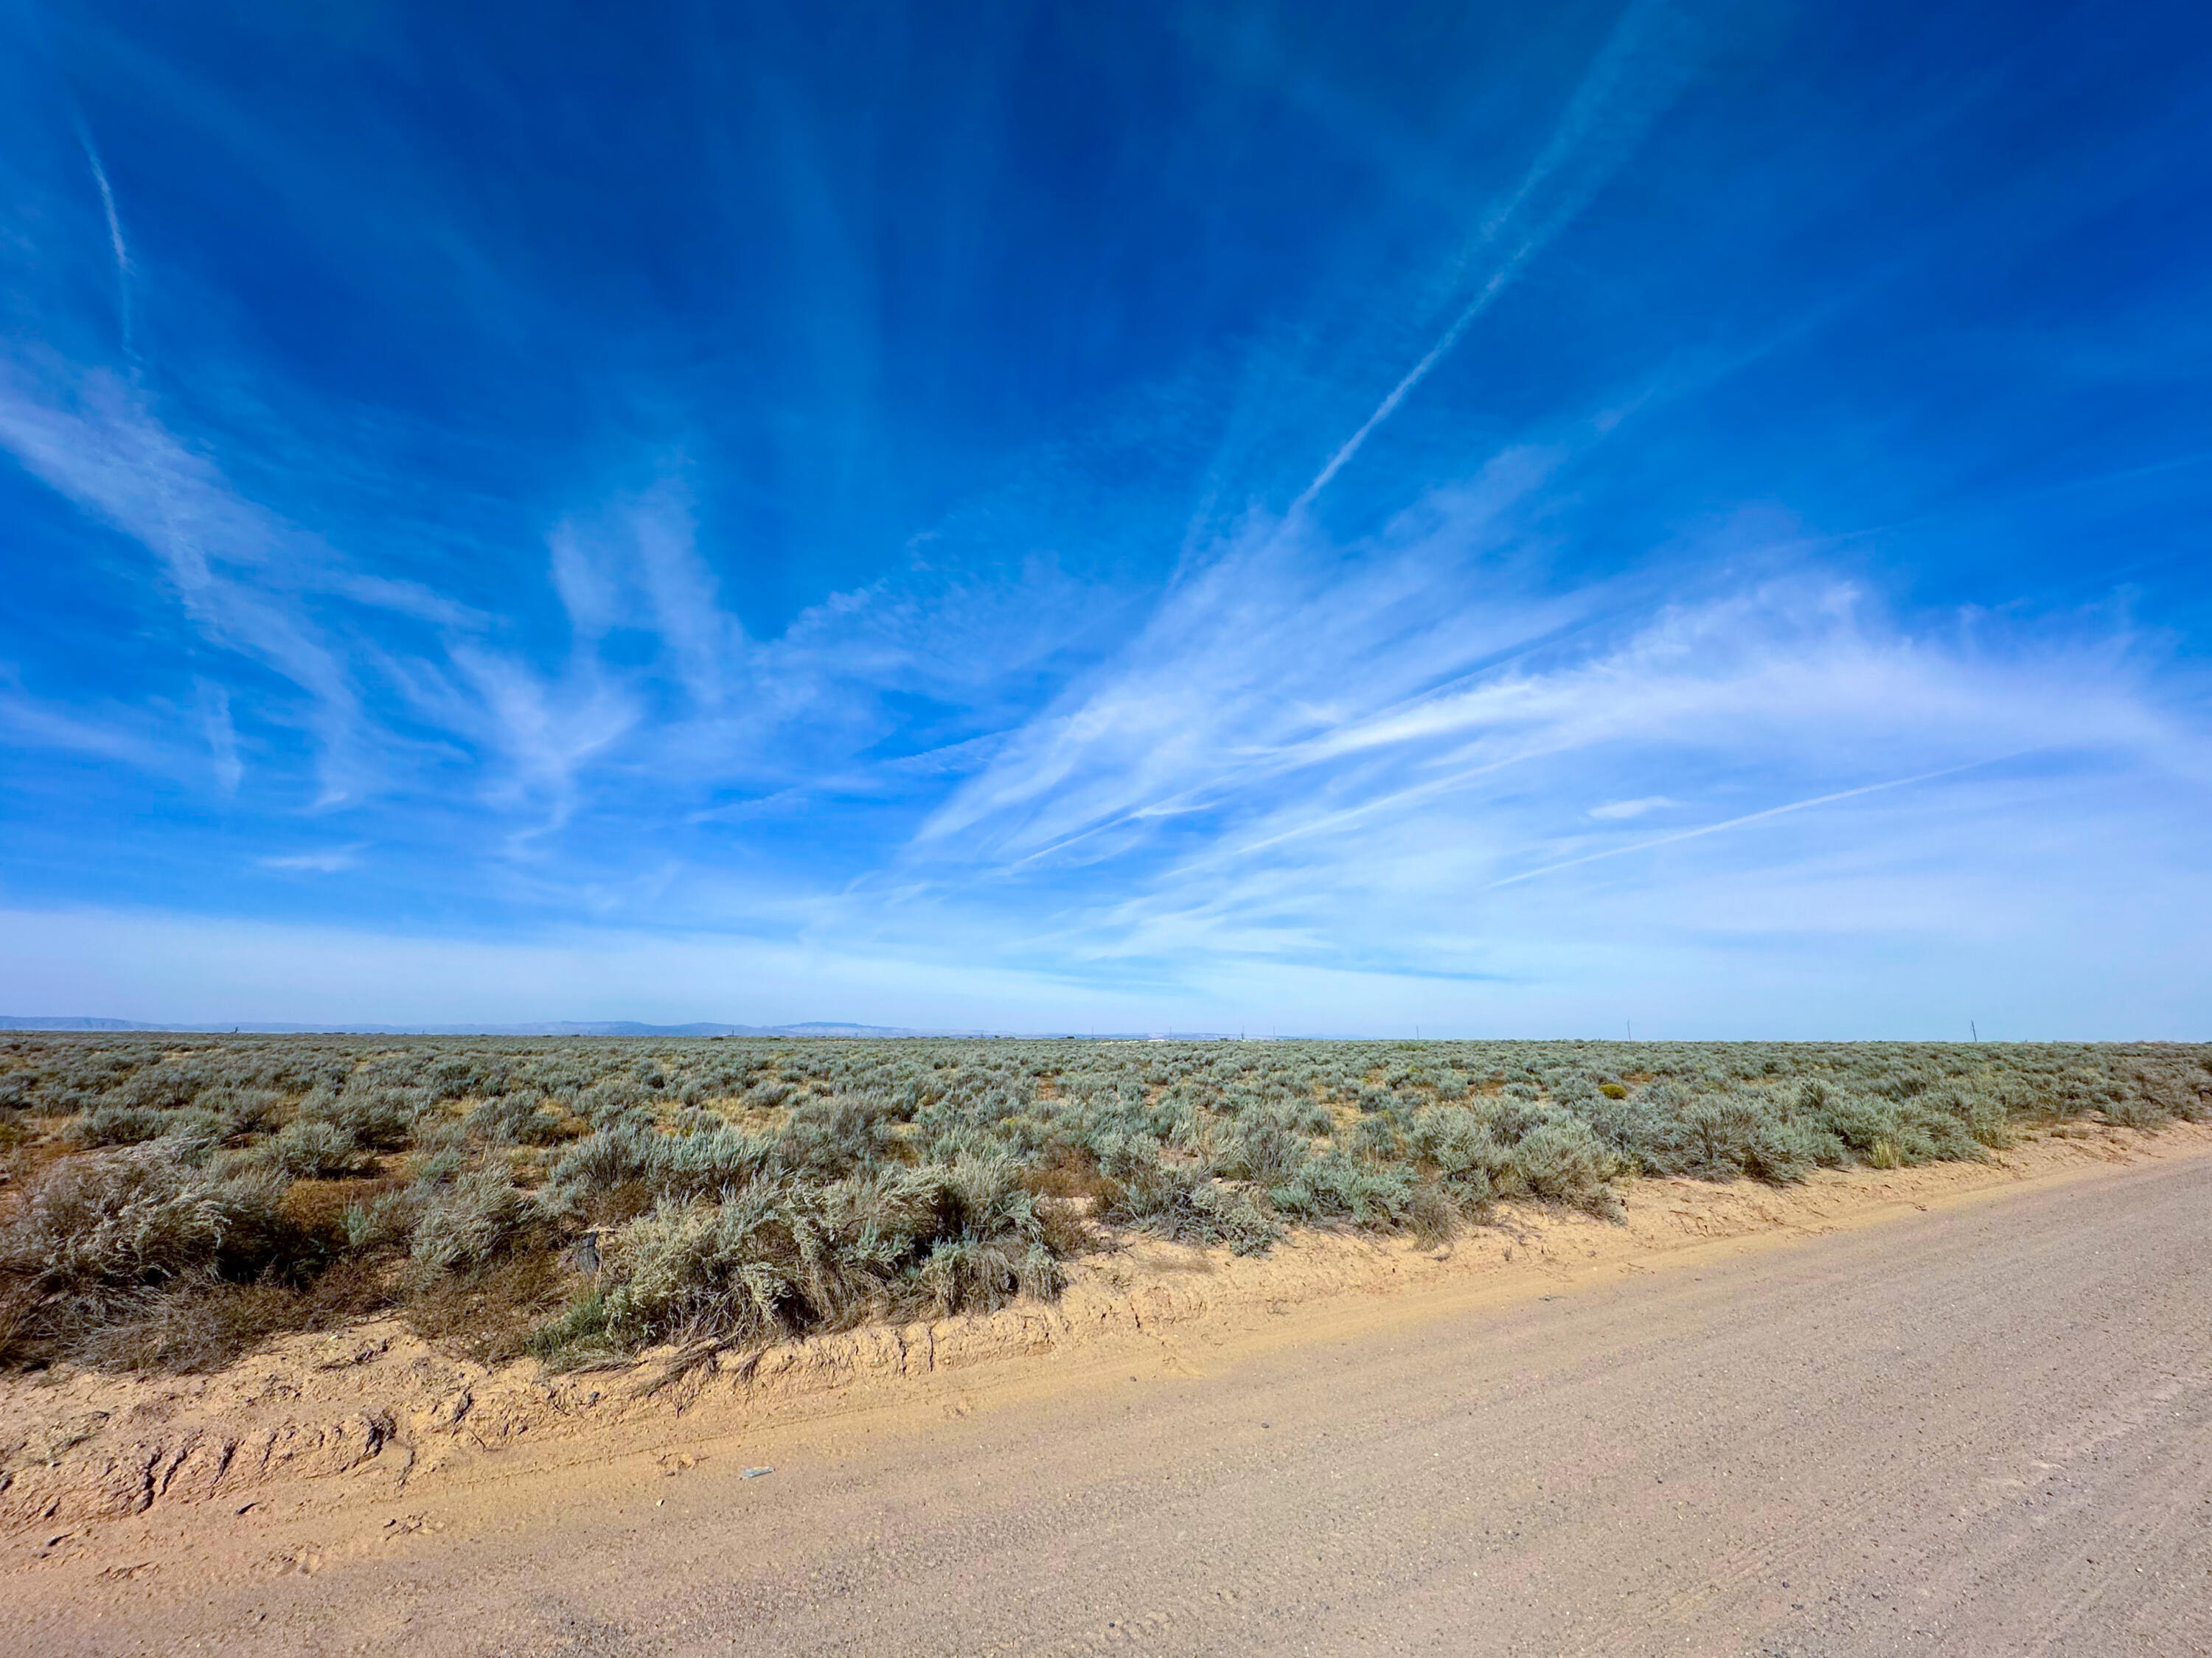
[(333, 861), (114, 238), (214, 702), (1613, 810), (1748, 818), (32, 722)]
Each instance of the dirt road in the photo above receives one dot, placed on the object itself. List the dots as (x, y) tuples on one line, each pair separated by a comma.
[(1985, 1428)]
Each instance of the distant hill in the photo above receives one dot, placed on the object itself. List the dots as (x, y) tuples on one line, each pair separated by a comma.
[(548, 1028), (62, 1022)]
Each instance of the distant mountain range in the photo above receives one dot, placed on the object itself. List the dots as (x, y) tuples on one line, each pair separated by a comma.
[(551, 1028), (546, 1028)]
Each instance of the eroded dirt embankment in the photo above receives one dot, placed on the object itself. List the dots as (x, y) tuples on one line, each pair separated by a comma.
[(374, 1411)]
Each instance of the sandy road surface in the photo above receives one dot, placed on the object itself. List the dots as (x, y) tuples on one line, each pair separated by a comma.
[(1985, 1428)]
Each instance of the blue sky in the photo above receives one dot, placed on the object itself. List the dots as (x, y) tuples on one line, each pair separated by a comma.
[(1505, 520)]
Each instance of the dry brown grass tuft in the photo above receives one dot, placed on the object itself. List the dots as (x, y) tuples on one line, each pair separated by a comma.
[(1066, 1172), (491, 1315), (317, 1207)]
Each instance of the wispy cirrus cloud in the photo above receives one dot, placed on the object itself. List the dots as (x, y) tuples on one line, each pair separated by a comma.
[(328, 860), (1613, 810), (252, 582), (214, 703), (1272, 643), (545, 730), (1311, 745), (124, 735), (1472, 518), (91, 437), (1305, 750)]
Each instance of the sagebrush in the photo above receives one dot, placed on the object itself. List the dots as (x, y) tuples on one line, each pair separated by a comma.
[(169, 1200)]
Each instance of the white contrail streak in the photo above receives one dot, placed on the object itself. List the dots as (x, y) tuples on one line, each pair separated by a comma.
[(1598, 131), (1480, 303), (114, 233), (1738, 823)]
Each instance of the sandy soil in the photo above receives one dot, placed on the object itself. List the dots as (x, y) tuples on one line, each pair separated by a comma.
[(335, 1484)]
